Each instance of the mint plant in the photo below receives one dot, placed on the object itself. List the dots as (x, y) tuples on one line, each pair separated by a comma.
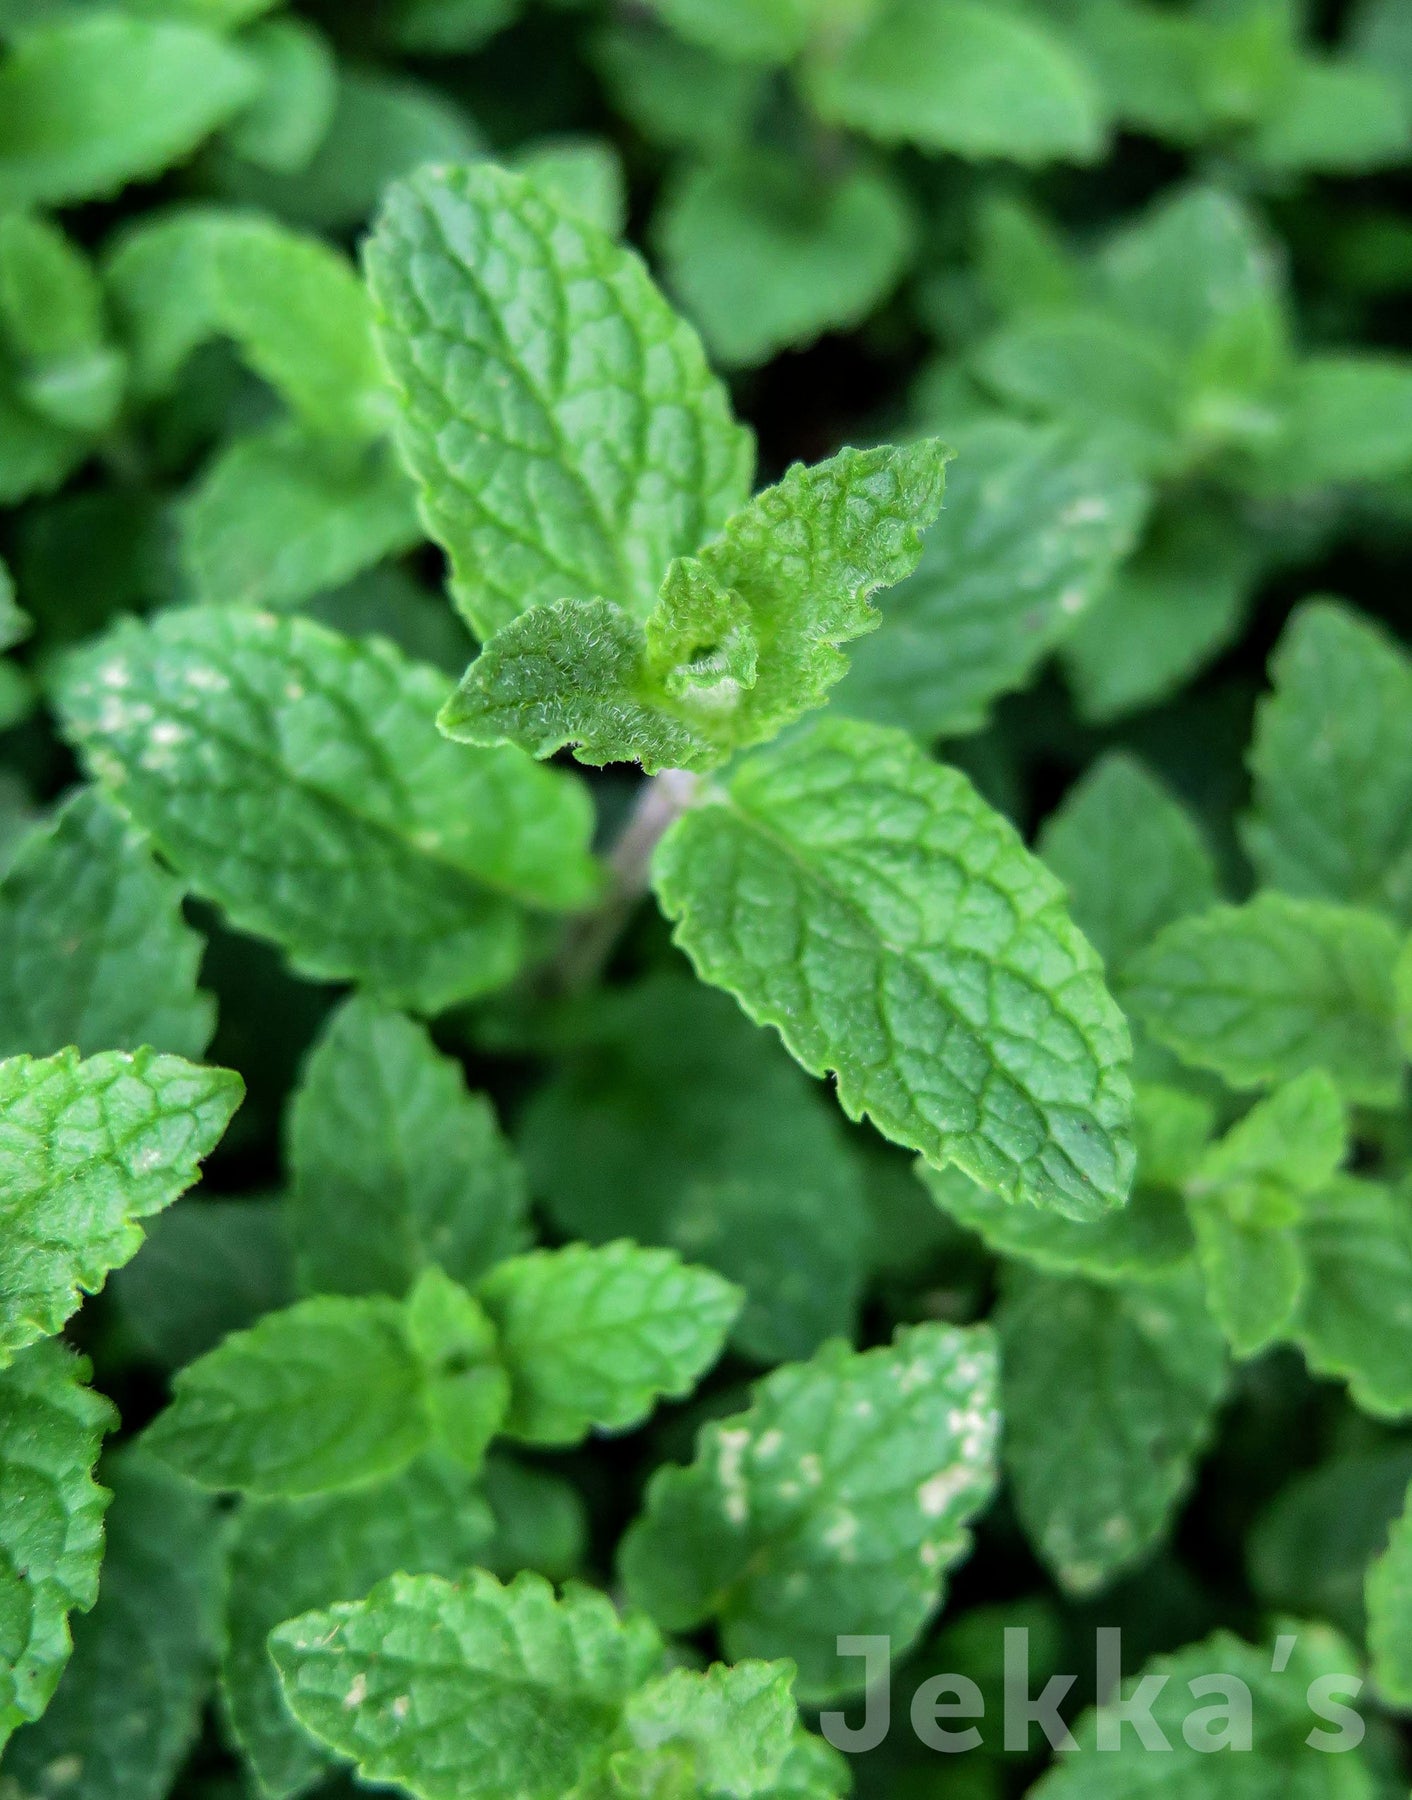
[(705, 887)]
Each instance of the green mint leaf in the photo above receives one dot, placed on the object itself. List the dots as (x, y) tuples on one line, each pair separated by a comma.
[(835, 1504), (327, 1394), (376, 850), (1389, 1600), (287, 1556), (743, 640), (1356, 1238), (51, 313), (749, 1172), (440, 27), (1244, 1199), (86, 1150), (1142, 1369), (92, 103), (593, 1338), (36, 455), (395, 1165), (467, 1392), (128, 1708), (1334, 117), (960, 76), (729, 1730), (583, 175), (763, 31), (968, 1018), (1332, 762), (1037, 519), (15, 625), (1346, 420), (1166, 614), (51, 1520), (567, 454), (94, 950), (493, 1693), (275, 520), (1263, 992), (766, 257), (208, 1267), (676, 94), (1131, 856), (284, 126)]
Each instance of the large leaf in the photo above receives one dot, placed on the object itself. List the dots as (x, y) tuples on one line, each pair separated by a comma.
[(896, 932)]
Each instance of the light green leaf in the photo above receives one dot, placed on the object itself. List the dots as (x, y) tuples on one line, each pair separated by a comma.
[(467, 1391), (395, 1165), (299, 85), (274, 519), (36, 455), (289, 1555), (580, 174), (835, 1504), (86, 1150), (765, 256), (51, 1520), (729, 1730), (1198, 1767), (561, 454), (93, 947), (1348, 418), (1037, 519), (294, 777), (51, 313), (1389, 1598), (744, 639), (1353, 1321), (593, 1338), (963, 77), (1332, 762), (1166, 615), (749, 1172), (1334, 117), (1141, 1369), (870, 906), (1244, 1198), (90, 104), (326, 1394), (1131, 856), (208, 1267), (511, 1693), (129, 1705), (1263, 992), (764, 31)]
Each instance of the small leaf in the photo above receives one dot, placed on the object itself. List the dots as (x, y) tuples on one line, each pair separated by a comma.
[(869, 905), (593, 1338), (86, 1150), (1266, 991), (51, 1520), (396, 1166), (324, 1395), (492, 1693), (835, 1504), (292, 776), (567, 453), (1356, 1237), (1142, 1370)]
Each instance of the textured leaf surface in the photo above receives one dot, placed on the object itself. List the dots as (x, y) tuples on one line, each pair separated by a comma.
[(51, 1520), (835, 1504), (86, 1150), (395, 1165), (1354, 1320), (960, 76), (93, 103), (749, 1172), (1036, 520), (871, 907), (471, 1692), (1130, 855), (129, 1705), (1142, 1370), (323, 1395), (567, 436), (595, 1337), (1262, 992), (765, 256), (287, 1556), (1332, 761), (93, 947), (743, 640), (731, 1728), (295, 777)]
